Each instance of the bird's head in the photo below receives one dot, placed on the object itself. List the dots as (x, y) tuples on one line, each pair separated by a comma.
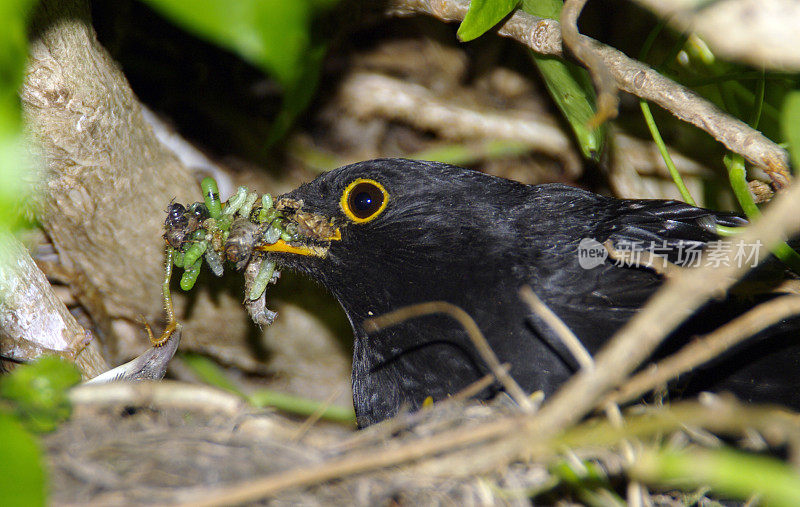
[(377, 233), (387, 233)]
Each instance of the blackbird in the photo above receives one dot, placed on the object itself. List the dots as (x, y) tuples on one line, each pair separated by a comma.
[(387, 233)]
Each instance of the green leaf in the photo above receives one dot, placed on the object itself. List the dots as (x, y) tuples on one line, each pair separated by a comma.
[(208, 371), (569, 85), (790, 126), (273, 35), (39, 391), (14, 162), (22, 476), (483, 15), (302, 406), (298, 96), (728, 472)]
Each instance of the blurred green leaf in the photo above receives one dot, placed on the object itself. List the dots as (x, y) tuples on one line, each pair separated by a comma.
[(483, 15), (274, 35), (790, 126), (22, 477), (208, 372), (14, 163), (728, 472), (302, 406), (271, 34), (38, 391), (298, 97), (569, 85)]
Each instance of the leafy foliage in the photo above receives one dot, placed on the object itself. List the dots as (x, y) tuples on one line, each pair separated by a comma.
[(569, 85), (38, 392), (22, 476), (790, 125), (273, 35), (13, 159), (33, 398), (483, 15)]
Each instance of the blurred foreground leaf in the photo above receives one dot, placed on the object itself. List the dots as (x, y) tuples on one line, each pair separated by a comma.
[(211, 374), (13, 159), (22, 478), (273, 35), (790, 126), (483, 15), (731, 473), (38, 392)]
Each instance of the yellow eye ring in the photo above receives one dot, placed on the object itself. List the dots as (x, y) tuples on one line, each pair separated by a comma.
[(363, 200)]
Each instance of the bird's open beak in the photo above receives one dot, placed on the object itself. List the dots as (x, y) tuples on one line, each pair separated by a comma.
[(281, 246)]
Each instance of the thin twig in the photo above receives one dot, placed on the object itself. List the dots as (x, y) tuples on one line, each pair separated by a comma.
[(544, 37), (518, 439), (470, 327), (385, 429), (315, 417), (607, 92), (560, 329), (708, 347)]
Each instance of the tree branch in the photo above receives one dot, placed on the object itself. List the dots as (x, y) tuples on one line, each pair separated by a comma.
[(544, 36), (33, 320)]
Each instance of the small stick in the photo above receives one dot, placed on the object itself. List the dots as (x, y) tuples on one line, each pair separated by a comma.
[(707, 347), (607, 91), (313, 418), (468, 324), (560, 329), (385, 429)]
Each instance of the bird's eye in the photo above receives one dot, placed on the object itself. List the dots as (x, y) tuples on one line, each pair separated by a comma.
[(364, 200)]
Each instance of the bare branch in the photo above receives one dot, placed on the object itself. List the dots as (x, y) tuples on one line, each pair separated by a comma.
[(33, 321), (544, 36)]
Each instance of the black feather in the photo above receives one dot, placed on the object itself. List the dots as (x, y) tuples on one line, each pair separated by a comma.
[(452, 234)]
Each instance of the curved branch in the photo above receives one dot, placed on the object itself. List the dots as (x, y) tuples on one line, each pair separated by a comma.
[(544, 36)]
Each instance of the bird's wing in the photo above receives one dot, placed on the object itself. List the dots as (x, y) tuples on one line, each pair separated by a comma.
[(596, 302)]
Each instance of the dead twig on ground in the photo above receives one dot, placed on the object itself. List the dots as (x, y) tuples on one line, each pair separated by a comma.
[(728, 417), (544, 36)]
